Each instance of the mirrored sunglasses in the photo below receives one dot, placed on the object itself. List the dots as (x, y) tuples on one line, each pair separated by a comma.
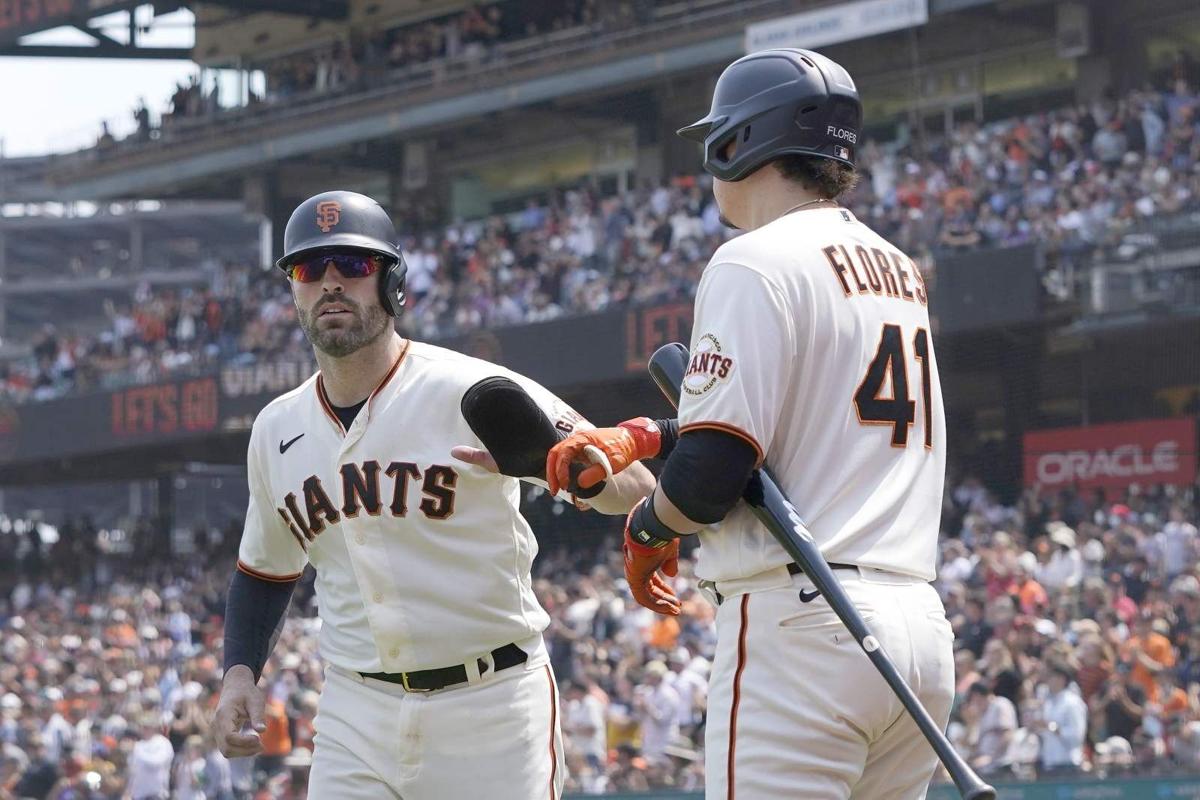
[(351, 265)]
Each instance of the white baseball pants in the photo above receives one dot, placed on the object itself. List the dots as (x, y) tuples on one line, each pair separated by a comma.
[(796, 710), (497, 737)]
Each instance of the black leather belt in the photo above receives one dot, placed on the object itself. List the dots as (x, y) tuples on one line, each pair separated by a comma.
[(793, 569), (430, 680)]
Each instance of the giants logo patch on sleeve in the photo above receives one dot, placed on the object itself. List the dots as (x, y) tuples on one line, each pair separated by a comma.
[(708, 366)]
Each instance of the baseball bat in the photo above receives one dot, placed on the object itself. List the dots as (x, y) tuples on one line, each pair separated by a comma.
[(775, 511)]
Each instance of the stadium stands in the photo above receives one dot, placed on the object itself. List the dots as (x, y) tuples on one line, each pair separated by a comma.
[(1075, 180), (1076, 613), (103, 650)]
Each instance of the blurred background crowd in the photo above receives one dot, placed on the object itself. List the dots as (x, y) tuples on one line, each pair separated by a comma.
[(1078, 180), (1077, 614), (1077, 651)]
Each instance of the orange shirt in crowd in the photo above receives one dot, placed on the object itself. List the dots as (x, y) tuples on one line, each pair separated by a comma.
[(663, 633), (1158, 647), (1032, 597), (276, 739), (1176, 703)]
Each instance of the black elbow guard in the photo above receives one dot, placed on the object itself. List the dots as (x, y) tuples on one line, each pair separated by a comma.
[(515, 430), (707, 473)]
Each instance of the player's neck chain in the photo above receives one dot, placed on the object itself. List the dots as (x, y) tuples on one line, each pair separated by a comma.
[(807, 203)]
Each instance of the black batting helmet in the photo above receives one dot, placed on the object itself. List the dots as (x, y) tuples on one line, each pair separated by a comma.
[(778, 102), (339, 221)]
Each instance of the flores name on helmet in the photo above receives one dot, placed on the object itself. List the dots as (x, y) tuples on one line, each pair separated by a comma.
[(778, 102)]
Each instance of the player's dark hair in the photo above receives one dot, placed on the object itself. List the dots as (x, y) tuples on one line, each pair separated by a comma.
[(828, 178)]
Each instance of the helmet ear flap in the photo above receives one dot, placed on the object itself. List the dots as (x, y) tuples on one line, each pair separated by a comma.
[(723, 151), (391, 287)]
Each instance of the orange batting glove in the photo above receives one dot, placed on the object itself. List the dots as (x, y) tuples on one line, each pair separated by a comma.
[(630, 441), (642, 565)]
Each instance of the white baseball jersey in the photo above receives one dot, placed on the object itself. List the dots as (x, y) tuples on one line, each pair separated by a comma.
[(811, 341), (422, 561)]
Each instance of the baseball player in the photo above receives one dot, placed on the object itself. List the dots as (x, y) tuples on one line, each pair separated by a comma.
[(810, 353), (438, 683)]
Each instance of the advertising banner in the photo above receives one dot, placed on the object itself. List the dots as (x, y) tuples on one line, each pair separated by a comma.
[(1112, 456), (843, 22)]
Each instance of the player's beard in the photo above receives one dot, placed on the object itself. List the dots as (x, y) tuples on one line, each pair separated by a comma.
[(369, 324)]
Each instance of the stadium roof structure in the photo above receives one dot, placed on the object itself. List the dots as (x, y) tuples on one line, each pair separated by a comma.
[(29, 17)]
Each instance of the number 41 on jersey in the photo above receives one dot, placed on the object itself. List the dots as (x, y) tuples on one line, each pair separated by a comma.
[(899, 410)]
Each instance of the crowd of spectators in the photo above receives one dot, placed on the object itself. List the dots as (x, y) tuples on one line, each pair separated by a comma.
[(367, 58), (1071, 179), (1077, 621), (1078, 631), (1074, 180), (240, 317)]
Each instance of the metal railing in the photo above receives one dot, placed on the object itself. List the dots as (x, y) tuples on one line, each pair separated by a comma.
[(1153, 269), (451, 76)]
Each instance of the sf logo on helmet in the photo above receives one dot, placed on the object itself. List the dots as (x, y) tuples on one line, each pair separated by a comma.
[(329, 213)]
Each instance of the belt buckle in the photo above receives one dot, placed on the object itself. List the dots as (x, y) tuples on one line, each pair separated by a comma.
[(413, 689)]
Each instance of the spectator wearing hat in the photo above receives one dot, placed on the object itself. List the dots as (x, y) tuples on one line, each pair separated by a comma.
[(1176, 543), (1096, 659), (189, 770), (1062, 724), (150, 761), (691, 686), (1064, 570), (656, 706), (1181, 606)]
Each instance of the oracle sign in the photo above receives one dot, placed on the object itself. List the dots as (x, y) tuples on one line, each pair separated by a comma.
[(1112, 456)]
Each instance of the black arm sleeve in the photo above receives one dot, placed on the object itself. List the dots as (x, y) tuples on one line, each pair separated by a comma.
[(668, 436), (707, 473), (254, 614)]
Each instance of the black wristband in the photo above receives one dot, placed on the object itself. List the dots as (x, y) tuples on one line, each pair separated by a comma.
[(647, 529), (668, 431)]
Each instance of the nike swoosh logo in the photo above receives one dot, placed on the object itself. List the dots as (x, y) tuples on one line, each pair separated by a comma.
[(284, 446), (808, 597)]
